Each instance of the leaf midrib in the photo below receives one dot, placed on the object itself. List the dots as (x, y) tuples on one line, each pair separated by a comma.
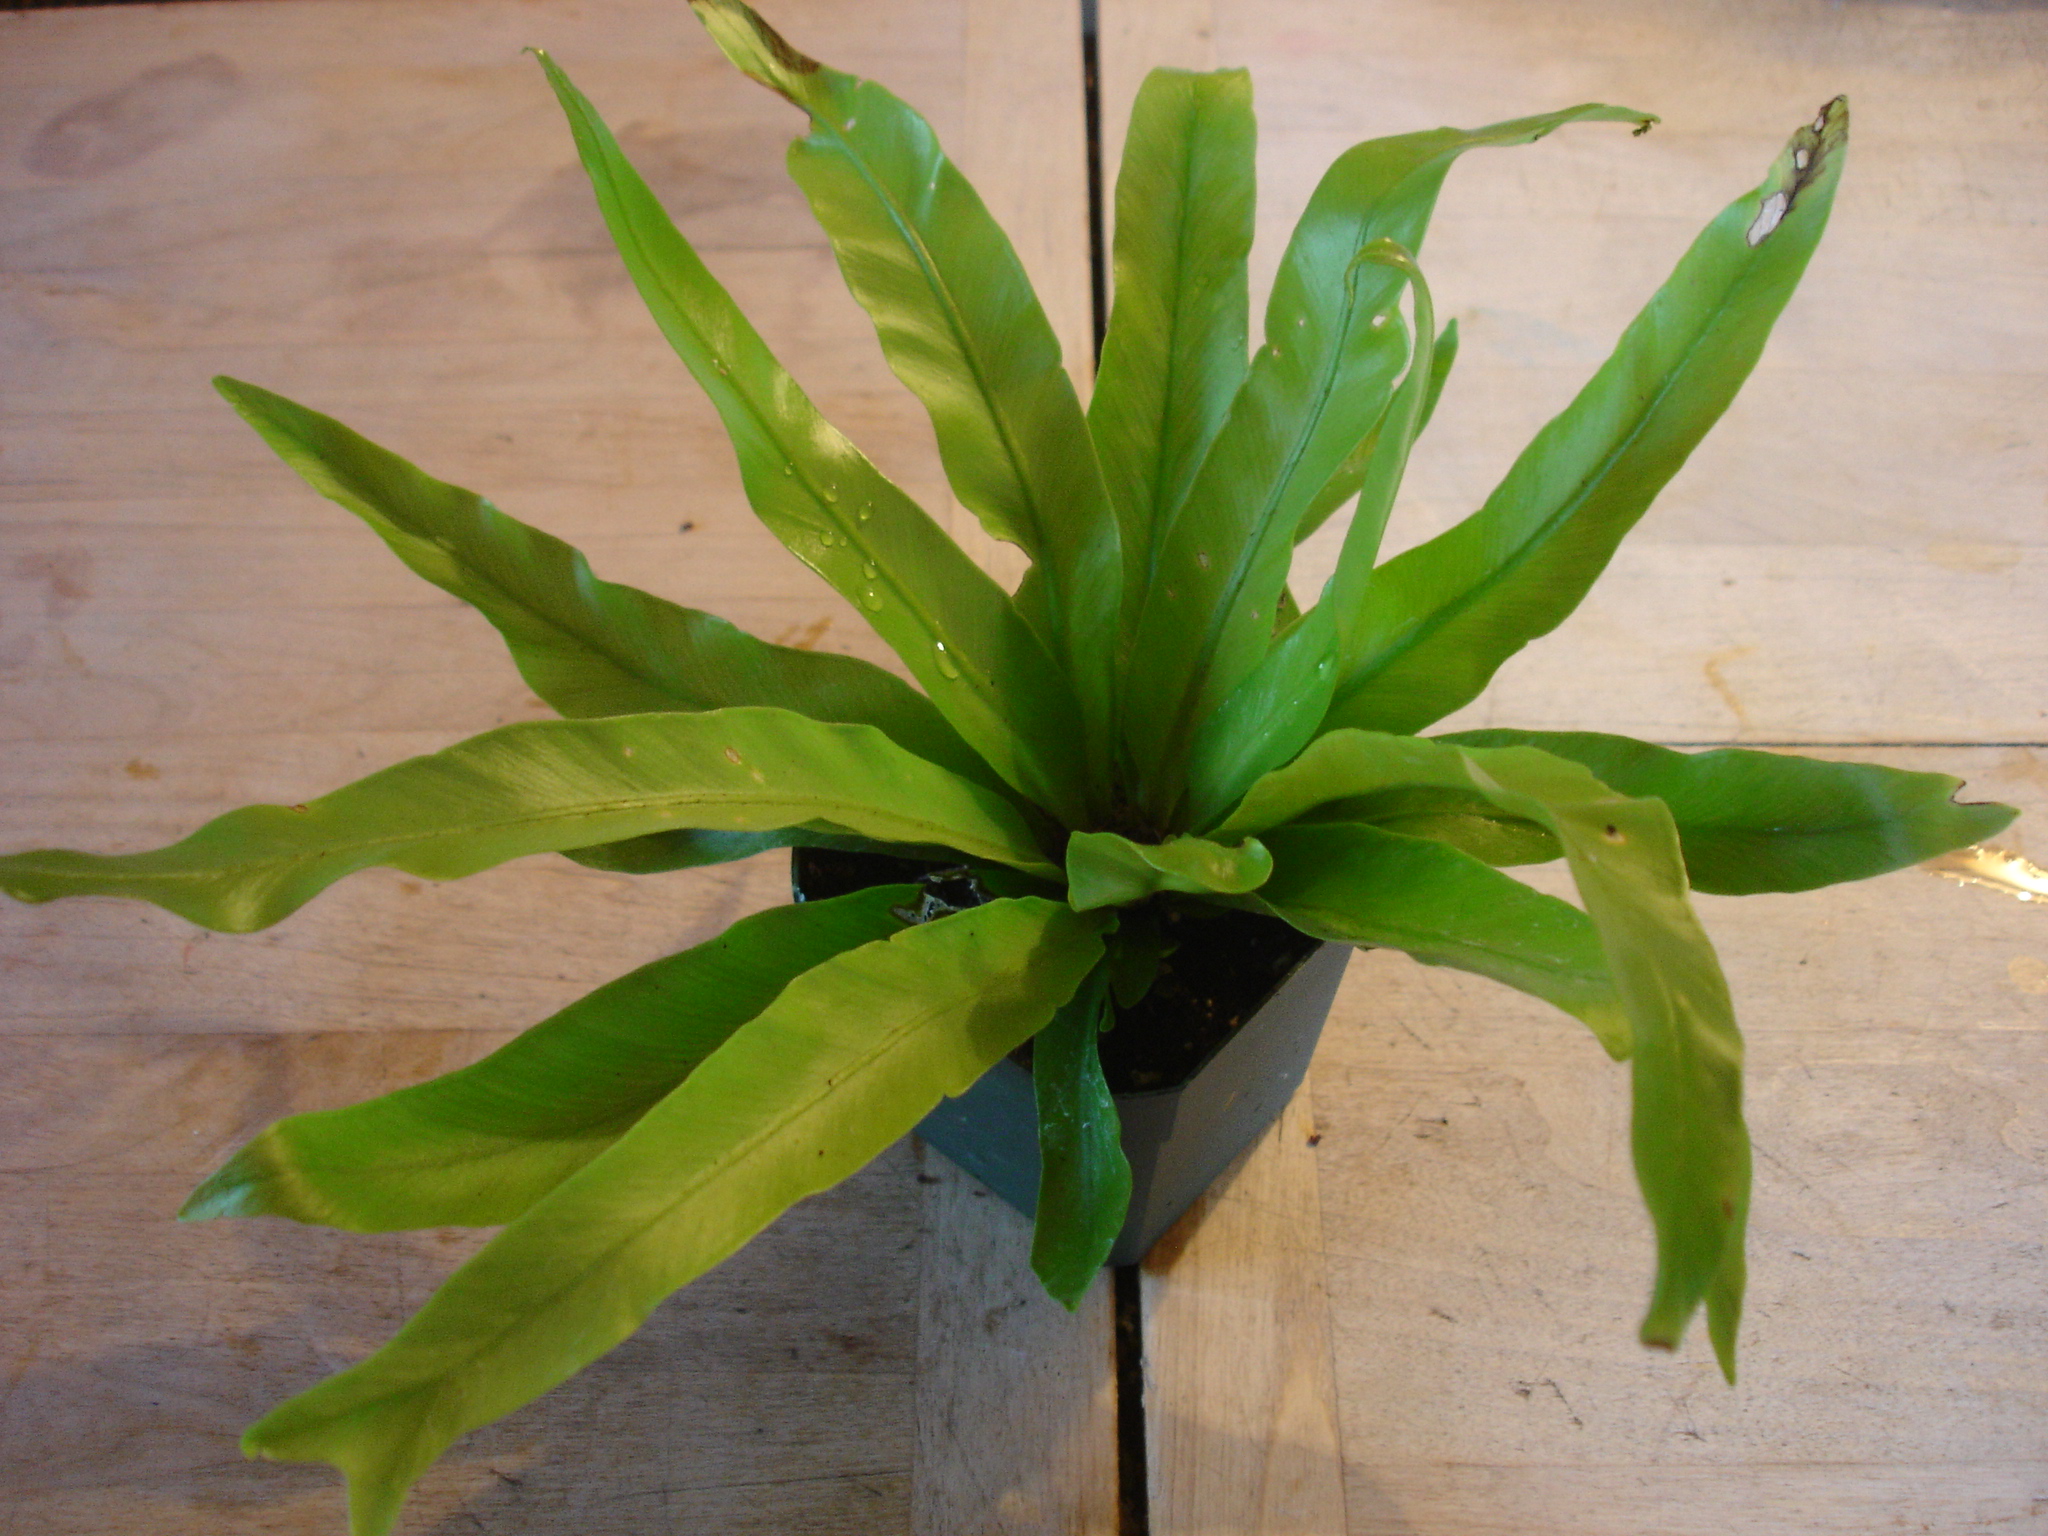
[(584, 811), (636, 1232), (1240, 572), (1171, 374), (847, 529), (595, 640), (907, 232), (1447, 613)]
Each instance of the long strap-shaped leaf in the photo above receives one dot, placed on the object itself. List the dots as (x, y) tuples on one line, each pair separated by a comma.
[(962, 328), (1767, 821), (845, 1061), (1084, 1179), (1350, 476), (1314, 391), (541, 787), (1173, 355), (1361, 884), (953, 626), (1442, 617), (478, 1146), (1691, 1149), (588, 647), (1463, 818), (1276, 708)]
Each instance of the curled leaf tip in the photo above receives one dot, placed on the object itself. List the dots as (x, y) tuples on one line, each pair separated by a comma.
[(721, 17)]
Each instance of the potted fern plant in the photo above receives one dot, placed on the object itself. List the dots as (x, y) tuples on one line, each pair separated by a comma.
[(1146, 755)]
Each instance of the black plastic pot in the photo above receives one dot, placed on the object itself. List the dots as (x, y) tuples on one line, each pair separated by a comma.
[(1179, 1138)]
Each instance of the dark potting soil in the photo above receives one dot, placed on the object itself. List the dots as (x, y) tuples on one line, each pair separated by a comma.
[(1222, 965)]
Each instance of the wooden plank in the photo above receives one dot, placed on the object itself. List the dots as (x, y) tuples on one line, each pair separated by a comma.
[(999, 1363), (1234, 1299), (775, 1396), (1852, 556), (1488, 1256), (373, 205), (1880, 475)]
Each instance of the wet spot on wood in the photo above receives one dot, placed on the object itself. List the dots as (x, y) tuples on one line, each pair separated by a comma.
[(157, 107), (136, 768), (1974, 559), (66, 575), (805, 637)]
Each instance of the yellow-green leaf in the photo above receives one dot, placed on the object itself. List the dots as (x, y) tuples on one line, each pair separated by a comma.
[(543, 787), (847, 1059)]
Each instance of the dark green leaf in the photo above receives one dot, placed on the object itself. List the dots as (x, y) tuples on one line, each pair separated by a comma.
[(539, 788), (962, 328), (953, 626), (1765, 821), (1106, 870), (1174, 352), (1314, 390), (846, 1060), (1440, 618), (658, 853), (1084, 1181), (1691, 1149), (1135, 952), (477, 1147), (1363, 885)]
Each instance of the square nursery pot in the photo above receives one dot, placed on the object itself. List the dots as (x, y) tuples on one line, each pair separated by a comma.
[(1179, 1133)]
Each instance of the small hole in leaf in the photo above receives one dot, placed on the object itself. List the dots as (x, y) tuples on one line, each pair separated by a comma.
[(1614, 834)]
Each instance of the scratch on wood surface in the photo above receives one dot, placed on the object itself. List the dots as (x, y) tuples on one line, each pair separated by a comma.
[(1526, 1390)]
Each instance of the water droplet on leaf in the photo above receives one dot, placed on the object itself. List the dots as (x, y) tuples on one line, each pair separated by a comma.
[(869, 569), (947, 666), (871, 600)]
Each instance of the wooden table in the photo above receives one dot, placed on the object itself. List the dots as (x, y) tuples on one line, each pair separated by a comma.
[(1444, 1293), (374, 206), (1421, 1325)]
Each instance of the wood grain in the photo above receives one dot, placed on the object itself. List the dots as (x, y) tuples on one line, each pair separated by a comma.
[(373, 206), (1866, 518), (1234, 1299)]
